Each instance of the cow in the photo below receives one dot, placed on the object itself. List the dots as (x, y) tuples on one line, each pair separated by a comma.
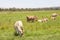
[(31, 18), (19, 27), (40, 20), (43, 20), (53, 16)]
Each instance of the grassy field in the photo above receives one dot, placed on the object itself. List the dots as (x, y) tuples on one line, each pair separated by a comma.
[(32, 31)]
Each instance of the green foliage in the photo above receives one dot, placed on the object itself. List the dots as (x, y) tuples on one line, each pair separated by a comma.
[(32, 31)]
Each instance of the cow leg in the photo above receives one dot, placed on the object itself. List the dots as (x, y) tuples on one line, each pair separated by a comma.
[(32, 20), (20, 31), (16, 31)]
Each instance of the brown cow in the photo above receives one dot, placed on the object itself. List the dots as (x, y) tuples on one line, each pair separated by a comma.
[(31, 18)]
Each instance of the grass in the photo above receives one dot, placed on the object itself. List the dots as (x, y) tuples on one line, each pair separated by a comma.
[(32, 31)]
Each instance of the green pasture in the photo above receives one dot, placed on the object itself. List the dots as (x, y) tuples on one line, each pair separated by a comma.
[(32, 30)]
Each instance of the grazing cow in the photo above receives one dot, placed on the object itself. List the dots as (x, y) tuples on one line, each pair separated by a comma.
[(19, 27), (40, 20), (31, 18), (53, 16), (43, 20)]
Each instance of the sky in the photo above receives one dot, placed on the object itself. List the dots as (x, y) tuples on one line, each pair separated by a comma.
[(29, 3)]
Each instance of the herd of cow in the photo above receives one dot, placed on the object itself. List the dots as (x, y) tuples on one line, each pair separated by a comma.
[(44, 19), (19, 25)]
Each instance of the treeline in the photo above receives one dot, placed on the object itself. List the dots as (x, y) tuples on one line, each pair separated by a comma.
[(29, 9)]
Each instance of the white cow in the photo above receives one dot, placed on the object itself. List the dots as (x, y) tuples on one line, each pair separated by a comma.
[(19, 27), (40, 20), (53, 16), (43, 20)]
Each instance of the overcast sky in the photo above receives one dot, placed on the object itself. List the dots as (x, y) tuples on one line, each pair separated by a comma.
[(28, 3)]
